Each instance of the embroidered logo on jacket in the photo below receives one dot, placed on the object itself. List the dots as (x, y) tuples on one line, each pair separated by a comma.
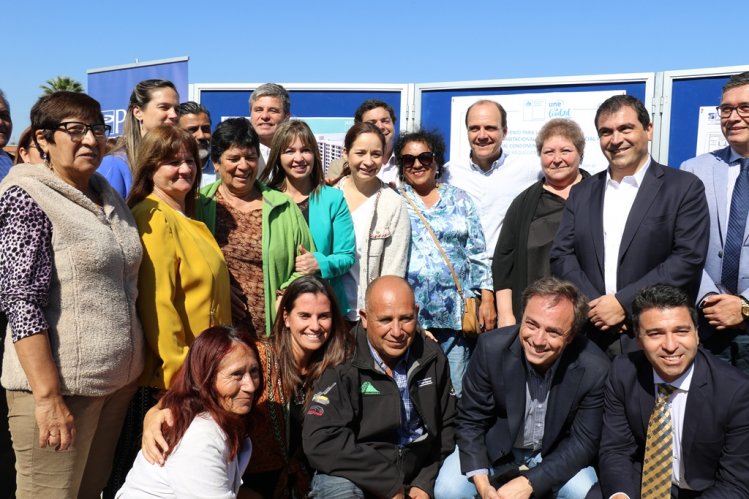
[(425, 382), (368, 388)]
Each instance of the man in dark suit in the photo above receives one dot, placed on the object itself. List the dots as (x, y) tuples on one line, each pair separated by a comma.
[(701, 447), (635, 224), (529, 420)]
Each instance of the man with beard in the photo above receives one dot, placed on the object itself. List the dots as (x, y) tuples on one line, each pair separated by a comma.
[(195, 119)]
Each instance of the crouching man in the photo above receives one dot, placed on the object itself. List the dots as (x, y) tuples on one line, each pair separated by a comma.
[(529, 419), (381, 424)]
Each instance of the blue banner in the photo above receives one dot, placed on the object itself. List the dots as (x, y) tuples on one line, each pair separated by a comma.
[(112, 86)]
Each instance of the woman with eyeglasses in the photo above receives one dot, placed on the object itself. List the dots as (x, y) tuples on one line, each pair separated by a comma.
[(381, 226), (294, 167), (447, 244), (68, 284), (152, 103), (532, 220)]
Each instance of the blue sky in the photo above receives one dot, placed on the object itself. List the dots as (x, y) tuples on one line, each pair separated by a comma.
[(354, 41)]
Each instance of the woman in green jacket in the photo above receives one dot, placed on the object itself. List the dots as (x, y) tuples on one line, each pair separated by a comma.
[(294, 168), (260, 231)]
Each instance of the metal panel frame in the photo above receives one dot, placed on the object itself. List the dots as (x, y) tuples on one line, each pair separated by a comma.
[(665, 90)]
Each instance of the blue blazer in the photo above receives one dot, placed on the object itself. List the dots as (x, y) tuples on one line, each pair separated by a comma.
[(715, 436), (333, 233), (664, 241), (712, 169), (491, 411)]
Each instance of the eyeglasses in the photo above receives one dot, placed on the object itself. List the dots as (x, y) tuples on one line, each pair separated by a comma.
[(425, 158), (742, 110), (77, 130)]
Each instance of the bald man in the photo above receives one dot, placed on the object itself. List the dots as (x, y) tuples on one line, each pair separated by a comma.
[(382, 423)]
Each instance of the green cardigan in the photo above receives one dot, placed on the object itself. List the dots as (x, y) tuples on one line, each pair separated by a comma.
[(284, 229)]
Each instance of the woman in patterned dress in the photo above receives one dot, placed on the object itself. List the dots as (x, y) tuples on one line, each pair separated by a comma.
[(260, 231), (454, 220)]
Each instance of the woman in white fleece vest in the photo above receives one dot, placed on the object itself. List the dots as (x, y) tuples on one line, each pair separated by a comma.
[(69, 263)]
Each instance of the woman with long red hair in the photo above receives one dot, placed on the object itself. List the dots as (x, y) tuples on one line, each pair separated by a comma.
[(208, 441)]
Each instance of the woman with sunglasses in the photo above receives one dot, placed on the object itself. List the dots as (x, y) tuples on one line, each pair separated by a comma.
[(69, 265), (383, 232), (447, 214), (294, 167)]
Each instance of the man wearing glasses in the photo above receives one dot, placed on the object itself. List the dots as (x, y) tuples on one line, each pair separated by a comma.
[(724, 289), (529, 420)]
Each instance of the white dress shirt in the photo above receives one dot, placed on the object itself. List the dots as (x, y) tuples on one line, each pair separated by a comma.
[(677, 404), (389, 171), (617, 203), (493, 190)]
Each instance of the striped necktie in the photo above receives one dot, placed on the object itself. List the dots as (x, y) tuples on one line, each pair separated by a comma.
[(735, 231), (657, 466)]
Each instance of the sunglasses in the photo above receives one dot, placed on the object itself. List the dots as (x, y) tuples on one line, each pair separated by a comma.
[(425, 159)]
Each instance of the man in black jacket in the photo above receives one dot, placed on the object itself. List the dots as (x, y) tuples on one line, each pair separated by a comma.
[(529, 419), (382, 423)]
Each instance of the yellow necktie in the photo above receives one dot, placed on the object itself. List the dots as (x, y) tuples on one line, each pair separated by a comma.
[(657, 466)]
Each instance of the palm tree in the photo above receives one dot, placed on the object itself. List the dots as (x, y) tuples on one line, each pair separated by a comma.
[(61, 83)]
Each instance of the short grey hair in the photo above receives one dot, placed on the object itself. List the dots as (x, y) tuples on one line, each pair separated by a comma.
[(272, 90)]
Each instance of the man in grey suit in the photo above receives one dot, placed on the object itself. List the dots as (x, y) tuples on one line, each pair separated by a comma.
[(635, 224), (724, 289)]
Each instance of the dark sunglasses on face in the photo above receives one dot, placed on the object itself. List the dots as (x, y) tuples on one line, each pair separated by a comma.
[(425, 159)]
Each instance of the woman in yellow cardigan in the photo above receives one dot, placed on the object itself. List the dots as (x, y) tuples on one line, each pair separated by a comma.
[(183, 284)]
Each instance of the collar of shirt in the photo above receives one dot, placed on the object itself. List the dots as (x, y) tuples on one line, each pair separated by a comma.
[(681, 383), (547, 376), (401, 367), (734, 157), (634, 180), (264, 151), (495, 165)]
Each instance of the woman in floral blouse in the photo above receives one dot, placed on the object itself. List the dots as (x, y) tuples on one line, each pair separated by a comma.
[(454, 220)]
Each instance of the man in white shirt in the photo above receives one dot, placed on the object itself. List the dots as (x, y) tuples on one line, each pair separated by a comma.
[(724, 289), (676, 418), (270, 106), (491, 176), (6, 127), (636, 223)]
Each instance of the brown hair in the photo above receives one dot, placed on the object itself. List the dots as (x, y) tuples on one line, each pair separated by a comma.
[(552, 286), (273, 175), (50, 110), (561, 127), (334, 352), (160, 145)]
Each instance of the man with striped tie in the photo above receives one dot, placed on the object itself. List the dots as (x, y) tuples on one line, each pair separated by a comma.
[(676, 418)]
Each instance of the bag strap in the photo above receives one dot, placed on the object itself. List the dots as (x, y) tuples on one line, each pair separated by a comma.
[(436, 242)]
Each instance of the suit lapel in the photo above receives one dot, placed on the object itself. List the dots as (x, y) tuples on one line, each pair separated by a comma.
[(645, 392), (720, 194), (646, 194), (514, 387), (699, 392), (561, 395), (596, 218)]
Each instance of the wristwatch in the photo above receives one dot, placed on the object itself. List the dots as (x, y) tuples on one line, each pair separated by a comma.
[(744, 308)]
